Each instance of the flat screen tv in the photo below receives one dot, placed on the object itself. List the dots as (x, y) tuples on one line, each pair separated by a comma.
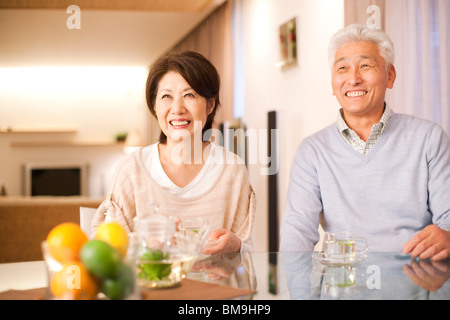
[(45, 179)]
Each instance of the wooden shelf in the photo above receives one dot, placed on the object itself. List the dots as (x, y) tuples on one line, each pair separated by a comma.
[(53, 143), (58, 130), (10, 201), (23, 144)]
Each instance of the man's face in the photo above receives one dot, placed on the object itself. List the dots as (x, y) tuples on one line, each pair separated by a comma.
[(360, 78)]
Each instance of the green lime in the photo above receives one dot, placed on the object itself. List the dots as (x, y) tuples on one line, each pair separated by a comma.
[(100, 259), (154, 255), (121, 286), (152, 265)]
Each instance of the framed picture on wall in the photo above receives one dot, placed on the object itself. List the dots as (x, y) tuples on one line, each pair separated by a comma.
[(288, 44)]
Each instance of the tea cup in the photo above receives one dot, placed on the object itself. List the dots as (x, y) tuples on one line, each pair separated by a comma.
[(343, 246)]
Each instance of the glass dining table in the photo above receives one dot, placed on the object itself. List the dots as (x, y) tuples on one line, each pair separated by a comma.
[(288, 276), (306, 276)]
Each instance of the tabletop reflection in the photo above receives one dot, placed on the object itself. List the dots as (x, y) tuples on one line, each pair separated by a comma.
[(288, 276), (388, 276), (236, 270)]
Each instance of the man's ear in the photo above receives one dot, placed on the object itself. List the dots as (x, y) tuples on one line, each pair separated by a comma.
[(392, 75)]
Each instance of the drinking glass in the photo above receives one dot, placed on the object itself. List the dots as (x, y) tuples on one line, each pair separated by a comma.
[(196, 229)]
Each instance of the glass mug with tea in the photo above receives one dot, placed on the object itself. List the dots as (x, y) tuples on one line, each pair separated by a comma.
[(343, 246), (194, 227)]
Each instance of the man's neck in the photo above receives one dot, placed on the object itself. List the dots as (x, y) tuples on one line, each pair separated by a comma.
[(362, 125)]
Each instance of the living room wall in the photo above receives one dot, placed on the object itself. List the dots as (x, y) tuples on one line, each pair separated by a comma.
[(66, 115), (301, 94), (65, 94)]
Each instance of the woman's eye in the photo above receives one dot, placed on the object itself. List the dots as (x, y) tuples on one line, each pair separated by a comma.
[(164, 96), (189, 95)]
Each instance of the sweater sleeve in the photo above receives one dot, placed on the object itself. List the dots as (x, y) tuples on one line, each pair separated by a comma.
[(246, 239), (241, 205), (439, 177), (300, 222), (119, 204)]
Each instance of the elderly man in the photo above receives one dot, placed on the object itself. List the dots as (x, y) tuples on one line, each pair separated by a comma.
[(383, 175)]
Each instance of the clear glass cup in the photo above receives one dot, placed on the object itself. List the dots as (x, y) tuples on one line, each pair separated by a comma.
[(343, 246), (195, 229)]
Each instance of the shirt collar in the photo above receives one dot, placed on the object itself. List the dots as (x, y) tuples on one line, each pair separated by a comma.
[(342, 125)]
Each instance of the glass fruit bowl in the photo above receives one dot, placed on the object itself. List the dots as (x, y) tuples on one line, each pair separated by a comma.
[(165, 254), (79, 268)]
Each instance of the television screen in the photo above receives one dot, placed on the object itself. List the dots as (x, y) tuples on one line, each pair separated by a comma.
[(56, 182), (54, 179)]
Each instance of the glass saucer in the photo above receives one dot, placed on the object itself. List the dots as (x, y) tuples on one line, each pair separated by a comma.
[(320, 257)]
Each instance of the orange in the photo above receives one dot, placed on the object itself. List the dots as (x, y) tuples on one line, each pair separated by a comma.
[(73, 282), (115, 235), (65, 240)]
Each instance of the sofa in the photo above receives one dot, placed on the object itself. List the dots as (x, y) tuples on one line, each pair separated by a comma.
[(26, 221)]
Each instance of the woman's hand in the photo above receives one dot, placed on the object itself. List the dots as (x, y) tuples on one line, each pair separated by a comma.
[(217, 267), (224, 241)]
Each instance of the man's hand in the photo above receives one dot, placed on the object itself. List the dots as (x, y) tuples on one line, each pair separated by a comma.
[(432, 242), (430, 275)]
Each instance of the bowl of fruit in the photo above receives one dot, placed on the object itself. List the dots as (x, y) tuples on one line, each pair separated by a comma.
[(79, 268)]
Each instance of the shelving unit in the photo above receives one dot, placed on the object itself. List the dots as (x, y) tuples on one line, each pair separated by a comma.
[(58, 130), (52, 143), (22, 144)]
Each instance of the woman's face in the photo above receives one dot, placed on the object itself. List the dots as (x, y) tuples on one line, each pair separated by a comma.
[(181, 111)]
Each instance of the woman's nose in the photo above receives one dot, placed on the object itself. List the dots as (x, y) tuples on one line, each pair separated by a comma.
[(177, 106)]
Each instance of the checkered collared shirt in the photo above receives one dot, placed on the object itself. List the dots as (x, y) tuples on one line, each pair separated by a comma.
[(354, 140)]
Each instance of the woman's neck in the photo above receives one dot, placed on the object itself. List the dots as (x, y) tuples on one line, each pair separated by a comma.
[(184, 153), (182, 163)]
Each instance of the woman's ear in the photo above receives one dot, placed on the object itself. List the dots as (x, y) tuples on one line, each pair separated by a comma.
[(210, 105)]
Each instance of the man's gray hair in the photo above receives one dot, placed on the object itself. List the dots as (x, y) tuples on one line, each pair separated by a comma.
[(358, 33)]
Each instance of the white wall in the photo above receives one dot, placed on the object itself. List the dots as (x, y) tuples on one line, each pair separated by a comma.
[(301, 96), (91, 79), (98, 102)]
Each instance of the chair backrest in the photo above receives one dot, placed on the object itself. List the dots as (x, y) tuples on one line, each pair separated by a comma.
[(86, 215)]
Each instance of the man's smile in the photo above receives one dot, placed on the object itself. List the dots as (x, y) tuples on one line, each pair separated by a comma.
[(356, 93)]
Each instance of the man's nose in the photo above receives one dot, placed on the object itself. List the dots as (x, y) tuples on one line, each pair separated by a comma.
[(354, 77)]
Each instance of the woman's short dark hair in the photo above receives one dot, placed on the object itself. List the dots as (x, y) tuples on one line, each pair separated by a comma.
[(198, 72)]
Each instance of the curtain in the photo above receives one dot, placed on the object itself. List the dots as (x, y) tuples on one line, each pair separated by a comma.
[(420, 30), (362, 12), (213, 39)]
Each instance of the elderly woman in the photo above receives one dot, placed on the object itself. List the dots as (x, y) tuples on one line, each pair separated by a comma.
[(184, 173)]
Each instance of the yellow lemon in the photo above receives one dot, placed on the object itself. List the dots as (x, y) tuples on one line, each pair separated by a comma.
[(115, 235)]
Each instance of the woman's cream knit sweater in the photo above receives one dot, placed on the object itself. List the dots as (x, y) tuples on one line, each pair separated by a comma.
[(229, 204)]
